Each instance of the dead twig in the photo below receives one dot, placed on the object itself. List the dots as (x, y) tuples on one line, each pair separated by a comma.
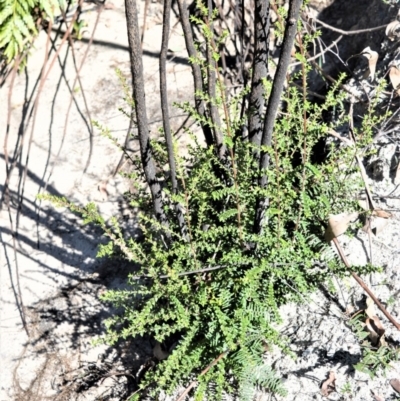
[(356, 32), (146, 8), (77, 79), (364, 177), (321, 53), (206, 269), (43, 79), (203, 372), (364, 286), (360, 164)]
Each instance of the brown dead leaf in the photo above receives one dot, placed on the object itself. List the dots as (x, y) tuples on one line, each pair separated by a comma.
[(375, 329), (394, 75), (328, 386), (338, 224), (372, 57), (373, 335), (381, 213), (373, 324), (377, 221), (395, 383), (393, 30)]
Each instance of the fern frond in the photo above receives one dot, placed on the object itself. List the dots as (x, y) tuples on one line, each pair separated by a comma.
[(18, 26), (267, 378)]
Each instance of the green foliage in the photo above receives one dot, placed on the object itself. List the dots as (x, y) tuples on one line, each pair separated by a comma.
[(212, 298), (18, 23), (234, 307), (346, 389)]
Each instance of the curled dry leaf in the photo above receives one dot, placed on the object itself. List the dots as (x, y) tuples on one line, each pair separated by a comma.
[(373, 324), (393, 30), (328, 386), (372, 57), (338, 224), (375, 329), (372, 334), (395, 383), (377, 221), (394, 75)]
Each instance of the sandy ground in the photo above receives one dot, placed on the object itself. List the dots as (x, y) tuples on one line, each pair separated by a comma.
[(46, 253)]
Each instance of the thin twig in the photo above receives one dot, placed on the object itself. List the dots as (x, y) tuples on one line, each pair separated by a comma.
[(206, 269), (364, 177), (43, 80), (321, 53), (196, 71), (356, 32), (192, 244), (212, 67), (305, 127), (230, 136), (78, 79), (194, 382), (144, 27), (166, 118), (6, 192), (360, 165), (364, 286)]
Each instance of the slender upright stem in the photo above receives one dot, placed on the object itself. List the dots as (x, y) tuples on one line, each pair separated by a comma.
[(273, 103), (305, 156), (211, 89), (135, 54), (260, 64), (165, 113), (198, 80)]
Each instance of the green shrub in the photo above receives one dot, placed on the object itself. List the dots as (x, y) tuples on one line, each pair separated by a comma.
[(209, 288)]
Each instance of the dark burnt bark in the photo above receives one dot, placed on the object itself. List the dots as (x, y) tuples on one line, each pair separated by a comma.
[(165, 113), (260, 70), (148, 164), (274, 101)]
